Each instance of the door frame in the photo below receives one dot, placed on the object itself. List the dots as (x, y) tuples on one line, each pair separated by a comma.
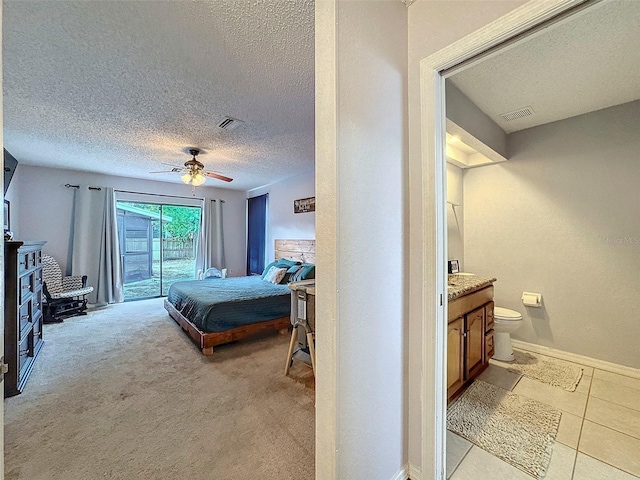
[(1, 263), (503, 32)]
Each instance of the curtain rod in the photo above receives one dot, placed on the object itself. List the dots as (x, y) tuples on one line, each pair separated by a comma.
[(163, 195), (68, 185)]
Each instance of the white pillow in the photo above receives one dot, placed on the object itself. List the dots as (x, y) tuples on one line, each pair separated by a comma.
[(275, 275)]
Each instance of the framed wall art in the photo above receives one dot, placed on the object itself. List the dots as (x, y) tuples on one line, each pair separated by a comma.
[(304, 205)]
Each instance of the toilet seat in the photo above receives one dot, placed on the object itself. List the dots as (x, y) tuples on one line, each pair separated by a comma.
[(506, 315)]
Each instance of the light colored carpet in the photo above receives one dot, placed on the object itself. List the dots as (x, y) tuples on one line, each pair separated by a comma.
[(123, 394), (519, 430), (545, 369)]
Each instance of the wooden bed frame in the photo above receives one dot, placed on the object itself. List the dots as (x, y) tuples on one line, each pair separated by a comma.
[(206, 341), (299, 250)]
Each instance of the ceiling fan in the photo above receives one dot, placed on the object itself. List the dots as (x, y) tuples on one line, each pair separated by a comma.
[(193, 172)]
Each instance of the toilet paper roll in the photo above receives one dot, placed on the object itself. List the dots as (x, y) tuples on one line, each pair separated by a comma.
[(531, 299)]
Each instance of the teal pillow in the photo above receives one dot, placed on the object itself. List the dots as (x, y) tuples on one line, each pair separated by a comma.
[(294, 269), (307, 271), (281, 263)]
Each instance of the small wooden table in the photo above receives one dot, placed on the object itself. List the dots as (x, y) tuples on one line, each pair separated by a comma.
[(303, 314)]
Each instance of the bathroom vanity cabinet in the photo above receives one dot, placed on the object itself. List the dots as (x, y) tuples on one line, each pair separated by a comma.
[(469, 338)]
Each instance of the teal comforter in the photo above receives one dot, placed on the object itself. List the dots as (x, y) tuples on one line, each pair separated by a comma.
[(220, 304)]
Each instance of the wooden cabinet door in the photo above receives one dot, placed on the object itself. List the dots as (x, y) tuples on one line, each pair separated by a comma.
[(455, 356), (474, 336)]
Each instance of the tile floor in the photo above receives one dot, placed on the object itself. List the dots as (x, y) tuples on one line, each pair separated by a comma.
[(598, 437)]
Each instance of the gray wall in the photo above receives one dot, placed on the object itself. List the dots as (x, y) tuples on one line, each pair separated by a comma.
[(562, 218), (282, 222), (464, 113), (43, 208)]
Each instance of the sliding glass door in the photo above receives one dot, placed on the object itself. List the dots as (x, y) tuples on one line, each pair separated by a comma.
[(158, 246)]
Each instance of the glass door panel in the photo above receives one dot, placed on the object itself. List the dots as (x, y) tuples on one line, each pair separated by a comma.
[(180, 229), (158, 246)]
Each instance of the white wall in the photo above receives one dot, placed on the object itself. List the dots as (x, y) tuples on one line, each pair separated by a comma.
[(13, 196), (455, 214), (361, 283), (432, 26), (282, 223), (562, 218), (372, 144), (45, 208)]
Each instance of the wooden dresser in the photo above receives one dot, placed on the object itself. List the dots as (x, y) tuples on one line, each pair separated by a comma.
[(22, 311)]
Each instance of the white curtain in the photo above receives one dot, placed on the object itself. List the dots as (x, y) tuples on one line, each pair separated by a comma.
[(211, 239), (96, 251)]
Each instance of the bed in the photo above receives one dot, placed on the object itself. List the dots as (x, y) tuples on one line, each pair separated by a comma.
[(222, 310)]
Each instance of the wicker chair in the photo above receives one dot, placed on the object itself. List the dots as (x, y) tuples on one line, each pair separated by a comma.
[(65, 296)]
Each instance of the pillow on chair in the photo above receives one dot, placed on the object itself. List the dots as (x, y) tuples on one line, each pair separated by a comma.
[(212, 272)]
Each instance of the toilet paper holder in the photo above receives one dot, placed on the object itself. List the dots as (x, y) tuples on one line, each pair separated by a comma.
[(530, 299)]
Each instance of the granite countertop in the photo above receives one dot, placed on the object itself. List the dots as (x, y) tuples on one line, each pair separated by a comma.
[(459, 285)]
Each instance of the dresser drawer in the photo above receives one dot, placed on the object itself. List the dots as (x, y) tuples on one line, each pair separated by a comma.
[(24, 262), (36, 302), (25, 317), (25, 284), (37, 328), (24, 352)]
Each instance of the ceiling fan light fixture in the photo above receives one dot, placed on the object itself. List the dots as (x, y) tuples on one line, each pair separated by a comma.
[(198, 179), (193, 173)]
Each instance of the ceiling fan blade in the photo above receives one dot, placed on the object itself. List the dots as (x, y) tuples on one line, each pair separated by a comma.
[(173, 165), (175, 170), (218, 176)]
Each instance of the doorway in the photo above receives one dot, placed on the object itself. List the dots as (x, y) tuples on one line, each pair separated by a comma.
[(158, 244), (531, 20)]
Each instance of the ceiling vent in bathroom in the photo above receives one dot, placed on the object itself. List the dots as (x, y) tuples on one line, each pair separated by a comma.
[(229, 123), (520, 113)]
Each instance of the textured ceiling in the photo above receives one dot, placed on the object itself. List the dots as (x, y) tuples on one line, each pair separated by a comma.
[(590, 62), (119, 87)]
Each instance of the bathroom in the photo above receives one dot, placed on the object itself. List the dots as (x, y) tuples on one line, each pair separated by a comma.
[(555, 211)]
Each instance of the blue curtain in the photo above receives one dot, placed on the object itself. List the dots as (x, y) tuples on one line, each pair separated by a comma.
[(256, 233)]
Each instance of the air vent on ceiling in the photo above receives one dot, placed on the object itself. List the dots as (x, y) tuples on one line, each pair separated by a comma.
[(229, 123), (520, 113)]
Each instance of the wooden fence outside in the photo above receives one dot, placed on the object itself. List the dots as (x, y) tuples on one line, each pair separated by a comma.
[(177, 248)]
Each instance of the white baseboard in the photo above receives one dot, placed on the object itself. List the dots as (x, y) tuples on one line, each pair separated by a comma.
[(409, 472), (575, 358), (401, 475), (414, 472)]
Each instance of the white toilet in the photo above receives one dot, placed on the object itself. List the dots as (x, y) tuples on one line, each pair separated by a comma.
[(505, 322)]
